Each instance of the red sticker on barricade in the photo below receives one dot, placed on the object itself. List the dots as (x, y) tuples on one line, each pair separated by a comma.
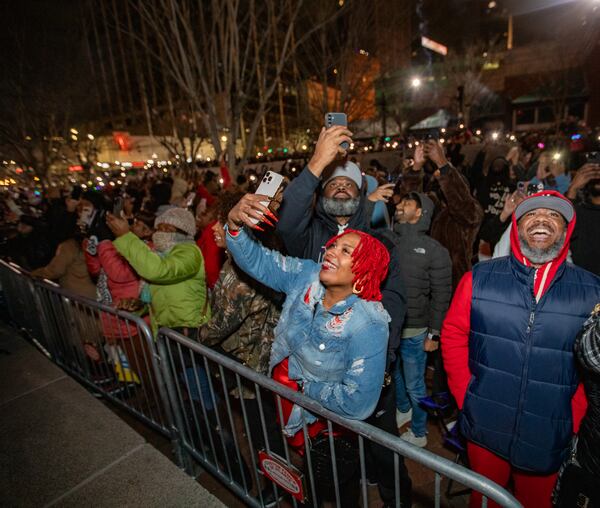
[(283, 474)]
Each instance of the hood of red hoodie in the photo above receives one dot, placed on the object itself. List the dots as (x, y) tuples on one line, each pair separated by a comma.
[(515, 242), (549, 269)]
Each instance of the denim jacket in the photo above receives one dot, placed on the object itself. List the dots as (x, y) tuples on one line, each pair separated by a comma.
[(339, 354)]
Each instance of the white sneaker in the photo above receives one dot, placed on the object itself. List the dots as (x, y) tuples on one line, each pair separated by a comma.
[(409, 437), (402, 418)]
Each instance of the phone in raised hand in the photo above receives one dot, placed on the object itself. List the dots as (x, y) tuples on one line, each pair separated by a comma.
[(190, 199), (332, 119), (269, 186), (118, 206)]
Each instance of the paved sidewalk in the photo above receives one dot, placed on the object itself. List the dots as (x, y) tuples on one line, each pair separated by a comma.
[(59, 446)]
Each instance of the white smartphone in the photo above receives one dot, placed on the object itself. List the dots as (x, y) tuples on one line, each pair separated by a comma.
[(269, 185), (190, 199)]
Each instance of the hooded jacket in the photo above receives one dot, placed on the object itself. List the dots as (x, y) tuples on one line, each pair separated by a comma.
[(426, 271), (305, 231), (507, 345), (176, 279), (122, 281)]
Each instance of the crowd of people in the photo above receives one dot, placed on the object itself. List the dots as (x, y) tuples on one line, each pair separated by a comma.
[(349, 281)]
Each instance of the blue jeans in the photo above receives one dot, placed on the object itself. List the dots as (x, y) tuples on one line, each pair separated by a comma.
[(409, 375), (203, 390)]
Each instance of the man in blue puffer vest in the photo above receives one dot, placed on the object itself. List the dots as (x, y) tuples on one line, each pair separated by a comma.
[(507, 343)]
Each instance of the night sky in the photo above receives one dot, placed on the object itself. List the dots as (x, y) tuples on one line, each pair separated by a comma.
[(42, 50)]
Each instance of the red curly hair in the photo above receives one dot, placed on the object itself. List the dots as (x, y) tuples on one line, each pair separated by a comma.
[(370, 261)]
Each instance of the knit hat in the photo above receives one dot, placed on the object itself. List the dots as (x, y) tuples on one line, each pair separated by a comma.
[(348, 169), (181, 218), (544, 199)]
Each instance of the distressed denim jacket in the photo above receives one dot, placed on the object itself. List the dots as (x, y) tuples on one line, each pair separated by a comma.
[(339, 354)]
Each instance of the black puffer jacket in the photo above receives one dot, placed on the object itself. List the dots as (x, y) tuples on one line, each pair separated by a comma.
[(587, 350), (305, 231), (426, 270)]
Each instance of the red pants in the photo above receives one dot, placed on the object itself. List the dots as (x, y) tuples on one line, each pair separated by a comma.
[(532, 491)]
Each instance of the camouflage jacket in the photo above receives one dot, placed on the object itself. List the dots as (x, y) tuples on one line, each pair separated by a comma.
[(243, 318)]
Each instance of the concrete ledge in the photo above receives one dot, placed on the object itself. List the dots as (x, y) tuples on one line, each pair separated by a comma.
[(59, 446), (145, 475), (22, 367)]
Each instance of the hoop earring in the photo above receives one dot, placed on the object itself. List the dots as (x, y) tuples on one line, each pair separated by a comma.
[(355, 290)]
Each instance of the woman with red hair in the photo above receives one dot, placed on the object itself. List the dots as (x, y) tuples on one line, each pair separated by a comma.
[(331, 339)]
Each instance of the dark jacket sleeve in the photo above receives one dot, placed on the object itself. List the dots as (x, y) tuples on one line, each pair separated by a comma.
[(462, 206), (440, 284), (393, 294), (296, 213)]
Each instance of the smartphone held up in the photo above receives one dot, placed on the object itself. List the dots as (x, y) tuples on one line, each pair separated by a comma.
[(269, 186), (332, 119)]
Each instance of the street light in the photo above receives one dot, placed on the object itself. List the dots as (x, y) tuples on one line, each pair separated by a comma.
[(415, 82), (495, 136)]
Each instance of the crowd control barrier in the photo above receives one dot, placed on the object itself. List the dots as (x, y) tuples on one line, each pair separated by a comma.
[(221, 414), (229, 419), (111, 352)]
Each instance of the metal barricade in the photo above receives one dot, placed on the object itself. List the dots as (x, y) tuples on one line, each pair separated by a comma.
[(20, 298), (228, 419), (219, 412), (111, 352)]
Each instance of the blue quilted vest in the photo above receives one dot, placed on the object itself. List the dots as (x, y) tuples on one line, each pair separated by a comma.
[(518, 402)]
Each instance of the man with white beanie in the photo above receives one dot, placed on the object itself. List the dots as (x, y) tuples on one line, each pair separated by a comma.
[(341, 197)]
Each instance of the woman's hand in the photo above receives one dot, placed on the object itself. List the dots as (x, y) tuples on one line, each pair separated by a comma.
[(251, 206), (118, 226), (382, 193)]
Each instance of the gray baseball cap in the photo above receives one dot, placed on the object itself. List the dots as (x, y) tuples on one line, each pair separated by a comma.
[(549, 201)]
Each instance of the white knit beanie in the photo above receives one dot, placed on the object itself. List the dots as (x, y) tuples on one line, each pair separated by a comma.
[(180, 218)]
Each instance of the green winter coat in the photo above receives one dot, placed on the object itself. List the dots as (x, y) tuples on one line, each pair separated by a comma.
[(177, 281)]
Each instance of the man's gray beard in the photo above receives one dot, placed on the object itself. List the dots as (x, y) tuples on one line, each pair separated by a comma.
[(340, 207), (540, 256)]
